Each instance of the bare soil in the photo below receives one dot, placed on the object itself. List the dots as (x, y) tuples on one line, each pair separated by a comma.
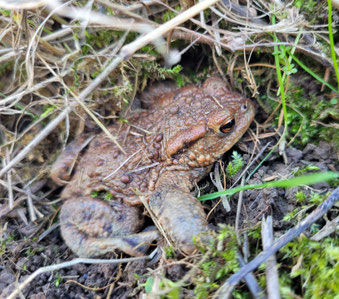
[(25, 254)]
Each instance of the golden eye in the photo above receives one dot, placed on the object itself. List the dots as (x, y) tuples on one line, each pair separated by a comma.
[(227, 127)]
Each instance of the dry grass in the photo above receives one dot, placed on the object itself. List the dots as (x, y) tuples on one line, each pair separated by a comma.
[(54, 79)]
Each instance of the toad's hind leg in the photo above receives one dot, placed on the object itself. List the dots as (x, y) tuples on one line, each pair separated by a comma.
[(62, 168), (92, 227)]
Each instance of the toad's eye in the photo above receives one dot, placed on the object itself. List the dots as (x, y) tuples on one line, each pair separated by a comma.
[(228, 126), (244, 107)]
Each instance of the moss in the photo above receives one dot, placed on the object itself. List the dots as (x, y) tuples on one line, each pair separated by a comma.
[(151, 70), (98, 40), (310, 115), (312, 107), (314, 268), (235, 165), (5, 241), (312, 10), (304, 202), (105, 195), (220, 266)]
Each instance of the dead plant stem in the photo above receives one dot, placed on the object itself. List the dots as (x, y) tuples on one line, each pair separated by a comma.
[(225, 290), (272, 278), (69, 264), (131, 48)]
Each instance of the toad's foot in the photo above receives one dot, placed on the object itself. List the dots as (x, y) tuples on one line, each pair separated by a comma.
[(181, 216), (92, 227)]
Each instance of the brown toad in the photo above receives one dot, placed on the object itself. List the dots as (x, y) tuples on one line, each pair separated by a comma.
[(167, 148)]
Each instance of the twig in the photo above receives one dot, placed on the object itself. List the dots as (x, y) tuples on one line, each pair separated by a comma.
[(4, 184), (34, 88), (243, 12), (191, 273), (129, 49), (251, 282), (88, 111), (82, 14), (141, 4), (9, 182), (155, 221), (272, 278), (216, 180), (23, 4), (328, 229), (12, 53), (31, 210), (123, 10), (121, 165), (57, 34), (41, 136), (48, 231), (237, 218), (226, 289), (75, 262), (55, 122)]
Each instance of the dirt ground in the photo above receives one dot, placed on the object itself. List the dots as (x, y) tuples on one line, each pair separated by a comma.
[(25, 254)]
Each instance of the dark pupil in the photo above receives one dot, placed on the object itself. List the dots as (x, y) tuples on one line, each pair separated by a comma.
[(226, 127)]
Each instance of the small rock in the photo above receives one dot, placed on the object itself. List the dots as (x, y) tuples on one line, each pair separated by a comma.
[(6, 278), (322, 150), (290, 194), (21, 263), (294, 155), (40, 295), (176, 272), (309, 148)]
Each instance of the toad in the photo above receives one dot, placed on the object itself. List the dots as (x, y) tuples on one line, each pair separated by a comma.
[(167, 149)]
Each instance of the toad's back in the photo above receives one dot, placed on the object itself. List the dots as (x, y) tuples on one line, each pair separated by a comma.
[(179, 131)]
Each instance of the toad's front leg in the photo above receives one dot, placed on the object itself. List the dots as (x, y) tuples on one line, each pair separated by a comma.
[(179, 213), (92, 227)]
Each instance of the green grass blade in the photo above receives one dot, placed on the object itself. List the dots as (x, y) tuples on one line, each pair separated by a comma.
[(330, 34), (283, 98), (292, 51), (280, 80), (297, 181), (314, 75)]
